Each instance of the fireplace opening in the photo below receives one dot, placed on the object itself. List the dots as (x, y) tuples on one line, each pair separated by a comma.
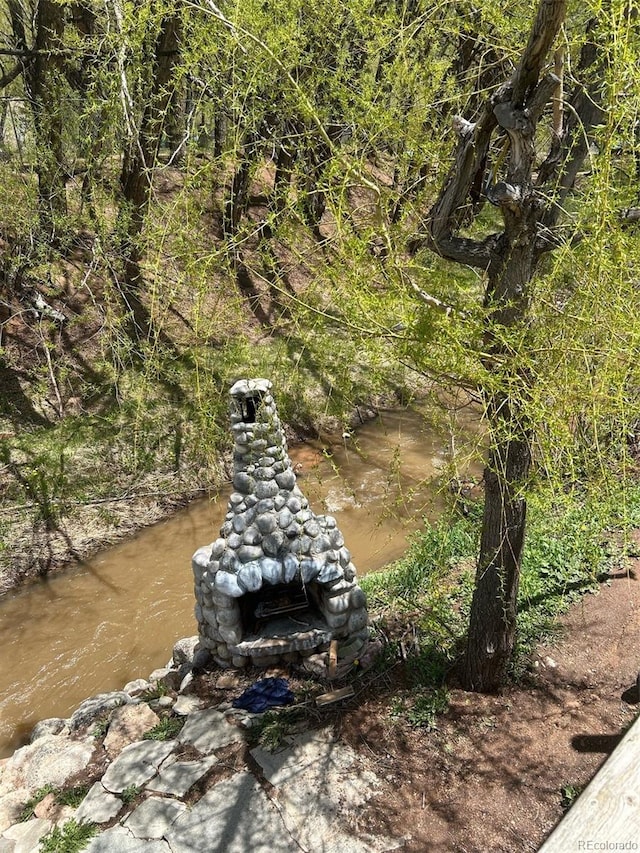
[(249, 406), (281, 609)]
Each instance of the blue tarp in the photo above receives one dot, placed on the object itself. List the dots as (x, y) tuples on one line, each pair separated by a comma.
[(264, 694)]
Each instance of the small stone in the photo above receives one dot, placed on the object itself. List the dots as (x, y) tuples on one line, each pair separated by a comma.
[(311, 528), (320, 544), (264, 505), (187, 704), (273, 542), (286, 480), (329, 572), (279, 501), (227, 561), (252, 536), (358, 598), (227, 617), (294, 504), (250, 577), (223, 652), (264, 473), (266, 461), (202, 659), (345, 556), (49, 809), (291, 567), (358, 620), (266, 489), (336, 538), (52, 726), (236, 498), (249, 553), (222, 600), (128, 724), (309, 570), (266, 522), (230, 634), (243, 483), (285, 518), (336, 620), (184, 650), (239, 661), (271, 570), (200, 560), (338, 603), (239, 524), (350, 572), (228, 584), (301, 545), (234, 540), (228, 681), (137, 686)]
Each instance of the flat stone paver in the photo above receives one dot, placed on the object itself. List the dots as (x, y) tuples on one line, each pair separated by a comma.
[(25, 837), (208, 730), (153, 817), (309, 751), (136, 764), (99, 806), (235, 816), (120, 840), (176, 777), (322, 787)]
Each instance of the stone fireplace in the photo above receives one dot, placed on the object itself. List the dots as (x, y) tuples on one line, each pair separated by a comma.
[(279, 583)]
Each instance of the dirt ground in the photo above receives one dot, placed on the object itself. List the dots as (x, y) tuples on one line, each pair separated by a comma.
[(491, 777)]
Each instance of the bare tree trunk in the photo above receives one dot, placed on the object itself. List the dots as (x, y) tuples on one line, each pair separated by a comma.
[(141, 155), (44, 81)]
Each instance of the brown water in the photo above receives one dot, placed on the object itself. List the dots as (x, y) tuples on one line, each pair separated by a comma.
[(97, 626)]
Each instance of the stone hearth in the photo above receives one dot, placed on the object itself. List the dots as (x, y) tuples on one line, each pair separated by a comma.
[(279, 583)]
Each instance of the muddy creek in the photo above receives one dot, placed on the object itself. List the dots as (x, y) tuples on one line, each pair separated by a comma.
[(116, 618)]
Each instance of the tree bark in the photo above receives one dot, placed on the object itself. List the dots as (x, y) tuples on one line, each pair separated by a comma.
[(141, 154), (44, 83)]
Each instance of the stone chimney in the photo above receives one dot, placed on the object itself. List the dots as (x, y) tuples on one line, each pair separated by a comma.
[(279, 582)]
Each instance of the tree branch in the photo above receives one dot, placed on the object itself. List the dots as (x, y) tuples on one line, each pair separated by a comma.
[(548, 21), (15, 72)]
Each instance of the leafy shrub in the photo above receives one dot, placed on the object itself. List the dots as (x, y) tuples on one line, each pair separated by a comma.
[(71, 837), (166, 729)]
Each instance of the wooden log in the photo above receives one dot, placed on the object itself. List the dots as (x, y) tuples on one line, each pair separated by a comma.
[(334, 696)]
